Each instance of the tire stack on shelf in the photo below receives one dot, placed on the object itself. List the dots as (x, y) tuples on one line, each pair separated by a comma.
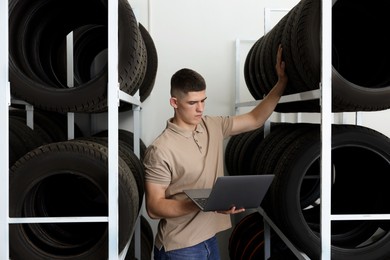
[(51, 176), (292, 151), (146, 242), (38, 69), (360, 81), (247, 241)]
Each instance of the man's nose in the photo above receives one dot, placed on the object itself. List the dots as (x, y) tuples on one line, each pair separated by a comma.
[(200, 106)]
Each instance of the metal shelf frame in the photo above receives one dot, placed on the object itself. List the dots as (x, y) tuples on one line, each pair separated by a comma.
[(115, 95), (324, 94), (4, 131), (326, 127)]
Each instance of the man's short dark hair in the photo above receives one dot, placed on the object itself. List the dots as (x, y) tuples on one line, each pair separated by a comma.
[(186, 80)]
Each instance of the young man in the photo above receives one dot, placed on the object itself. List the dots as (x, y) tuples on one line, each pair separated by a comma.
[(189, 154)]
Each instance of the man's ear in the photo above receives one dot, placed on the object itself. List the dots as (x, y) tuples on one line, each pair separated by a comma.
[(173, 102)]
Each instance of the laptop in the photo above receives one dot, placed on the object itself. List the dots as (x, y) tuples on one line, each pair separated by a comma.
[(241, 191)]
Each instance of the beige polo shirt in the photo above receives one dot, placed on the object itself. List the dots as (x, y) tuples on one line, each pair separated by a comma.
[(186, 159)]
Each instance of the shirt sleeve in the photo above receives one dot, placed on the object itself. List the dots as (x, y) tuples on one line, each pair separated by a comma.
[(224, 123), (157, 170), (227, 125)]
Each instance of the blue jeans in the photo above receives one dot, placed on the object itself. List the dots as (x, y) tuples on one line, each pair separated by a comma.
[(206, 250)]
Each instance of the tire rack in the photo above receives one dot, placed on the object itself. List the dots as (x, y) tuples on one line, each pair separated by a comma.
[(324, 95), (114, 97)]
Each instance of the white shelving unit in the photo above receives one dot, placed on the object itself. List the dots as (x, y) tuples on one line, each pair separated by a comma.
[(324, 94), (326, 127), (4, 104), (115, 95)]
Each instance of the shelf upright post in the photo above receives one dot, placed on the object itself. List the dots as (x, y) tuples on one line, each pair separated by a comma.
[(70, 80), (237, 86), (113, 103), (326, 128), (5, 100), (137, 152)]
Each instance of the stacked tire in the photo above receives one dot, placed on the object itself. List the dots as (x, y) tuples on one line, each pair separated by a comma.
[(70, 178), (51, 176), (360, 167), (146, 242), (48, 127), (247, 241), (37, 51), (359, 78), (360, 163)]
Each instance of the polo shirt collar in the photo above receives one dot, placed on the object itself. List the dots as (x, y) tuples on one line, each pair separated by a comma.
[(184, 132)]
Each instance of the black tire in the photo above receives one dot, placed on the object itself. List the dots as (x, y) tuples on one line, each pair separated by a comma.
[(127, 137), (230, 149), (37, 33), (258, 66), (152, 64), (44, 136), (246, 241), (267, 154), (146, 242), (352, 191), (360, 81), (257, 86), (246, 155), (22, 139), (52, 124), (127, 154), (305, 43), (248, 75), (297, 82), (52, 169)]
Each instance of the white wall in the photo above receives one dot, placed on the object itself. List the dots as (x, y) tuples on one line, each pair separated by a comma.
[(200, 35)]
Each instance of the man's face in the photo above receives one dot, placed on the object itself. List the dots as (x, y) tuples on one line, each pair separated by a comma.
[(189, 108)]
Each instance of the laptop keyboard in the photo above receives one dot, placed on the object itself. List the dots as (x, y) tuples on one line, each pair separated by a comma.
[(201, 201)]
